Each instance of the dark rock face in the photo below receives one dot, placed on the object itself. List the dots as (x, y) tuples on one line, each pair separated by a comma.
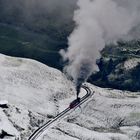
[(3, 105), (112, 71), (4, 134)]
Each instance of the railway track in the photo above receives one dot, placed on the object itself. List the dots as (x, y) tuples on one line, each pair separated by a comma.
[(41, 129)]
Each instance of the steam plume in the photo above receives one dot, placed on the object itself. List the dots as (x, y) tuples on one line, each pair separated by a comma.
[(98, 22)]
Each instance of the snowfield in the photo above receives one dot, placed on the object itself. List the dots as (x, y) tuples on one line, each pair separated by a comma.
[(108, 115), (31, 84), (35, 93)]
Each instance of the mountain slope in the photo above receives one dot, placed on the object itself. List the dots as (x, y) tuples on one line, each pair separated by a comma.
[(108, 115), (36, 93), (33, 91), (119, 66)]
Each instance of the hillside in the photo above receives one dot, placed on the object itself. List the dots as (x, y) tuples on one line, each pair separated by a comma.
[(108, 115), (23, 42), (36, 93), (39, 31), (119, 66), (33, 91)]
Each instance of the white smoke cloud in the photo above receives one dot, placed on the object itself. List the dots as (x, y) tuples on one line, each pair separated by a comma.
[(98, 22)]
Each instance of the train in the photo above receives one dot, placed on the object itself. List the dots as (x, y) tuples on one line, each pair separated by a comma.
[(74, 103)]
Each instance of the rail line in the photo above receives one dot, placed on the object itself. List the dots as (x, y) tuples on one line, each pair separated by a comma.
[(41, 129)]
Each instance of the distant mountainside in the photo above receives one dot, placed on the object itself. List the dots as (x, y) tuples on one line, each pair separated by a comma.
[(22, 42), (35, 93), (38, 31), (119, 66)]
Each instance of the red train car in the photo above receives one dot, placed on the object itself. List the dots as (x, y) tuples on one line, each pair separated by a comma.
[(74, 103)]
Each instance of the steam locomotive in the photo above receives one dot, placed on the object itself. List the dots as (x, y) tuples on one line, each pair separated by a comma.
[(77, 100), (74, 103)]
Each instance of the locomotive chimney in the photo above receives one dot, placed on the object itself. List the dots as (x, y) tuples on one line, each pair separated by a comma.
[(78, 90)]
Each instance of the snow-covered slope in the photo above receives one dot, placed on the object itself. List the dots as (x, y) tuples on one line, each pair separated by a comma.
[(33, 91), (108, 115), (32, 84), (131, 63)]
